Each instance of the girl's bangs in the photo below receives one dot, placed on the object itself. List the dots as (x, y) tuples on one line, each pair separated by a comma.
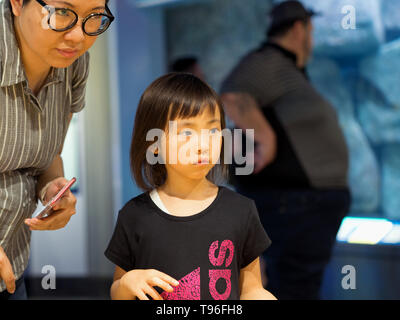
[(192, 108)]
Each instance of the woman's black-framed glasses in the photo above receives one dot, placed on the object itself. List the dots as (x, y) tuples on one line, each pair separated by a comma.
[(63, 19)]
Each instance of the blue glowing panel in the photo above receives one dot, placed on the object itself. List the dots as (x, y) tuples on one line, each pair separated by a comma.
[(369, 231), (393, 237)]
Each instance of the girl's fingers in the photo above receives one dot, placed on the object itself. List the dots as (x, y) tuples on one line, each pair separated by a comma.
[(141, 296), (152, 293), (157, 282), (167, 278)]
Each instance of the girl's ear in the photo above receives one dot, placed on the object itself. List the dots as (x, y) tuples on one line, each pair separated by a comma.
[(16, 7)]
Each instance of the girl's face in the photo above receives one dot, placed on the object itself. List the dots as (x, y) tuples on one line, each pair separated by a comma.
[(54, 49), (193, 145)]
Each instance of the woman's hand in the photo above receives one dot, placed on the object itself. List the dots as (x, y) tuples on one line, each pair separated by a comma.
[(140, 282), (6, 272), (64, 209)]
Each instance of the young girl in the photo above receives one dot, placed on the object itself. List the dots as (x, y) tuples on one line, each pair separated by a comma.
[(185, 237)]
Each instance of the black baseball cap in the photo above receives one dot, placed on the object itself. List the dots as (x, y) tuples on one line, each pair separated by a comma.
[(289, 11)]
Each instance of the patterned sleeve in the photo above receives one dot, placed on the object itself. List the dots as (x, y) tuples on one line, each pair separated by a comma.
[(80, 76)]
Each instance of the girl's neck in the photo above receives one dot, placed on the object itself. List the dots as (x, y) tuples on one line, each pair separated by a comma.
[(191, 190)]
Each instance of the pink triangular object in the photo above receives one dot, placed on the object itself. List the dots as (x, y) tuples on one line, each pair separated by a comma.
[(188, 288)]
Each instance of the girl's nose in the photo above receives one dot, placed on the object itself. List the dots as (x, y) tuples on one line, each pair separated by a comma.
[(204, 143)]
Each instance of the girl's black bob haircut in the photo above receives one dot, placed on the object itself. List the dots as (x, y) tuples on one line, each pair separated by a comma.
[(172, 96)]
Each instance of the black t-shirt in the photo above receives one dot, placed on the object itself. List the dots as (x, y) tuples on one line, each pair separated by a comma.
[(204, 252)]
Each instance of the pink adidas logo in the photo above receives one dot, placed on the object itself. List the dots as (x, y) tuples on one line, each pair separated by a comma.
[(189, 285), (188, 288)]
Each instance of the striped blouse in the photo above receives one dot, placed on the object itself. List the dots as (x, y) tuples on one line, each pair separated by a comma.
[(32, 131)]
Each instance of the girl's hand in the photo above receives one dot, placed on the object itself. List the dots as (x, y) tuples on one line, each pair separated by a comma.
[(63, 210), (140, 282)]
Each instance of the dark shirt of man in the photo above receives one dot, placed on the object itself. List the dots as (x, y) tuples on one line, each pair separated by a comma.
[(311, 148)]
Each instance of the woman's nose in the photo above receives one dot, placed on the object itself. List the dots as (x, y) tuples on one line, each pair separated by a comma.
[(75, 34)]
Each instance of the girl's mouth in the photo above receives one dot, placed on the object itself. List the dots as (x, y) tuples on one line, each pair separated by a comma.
[(202, 161)]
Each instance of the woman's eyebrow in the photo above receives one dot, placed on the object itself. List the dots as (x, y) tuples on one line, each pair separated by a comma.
[(98, 8), (73, 6), (65, 2)]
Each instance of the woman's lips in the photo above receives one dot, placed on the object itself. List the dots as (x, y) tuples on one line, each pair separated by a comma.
[(68, 53)]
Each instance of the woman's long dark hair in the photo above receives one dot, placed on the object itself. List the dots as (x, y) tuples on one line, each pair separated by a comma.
[(172, 96)]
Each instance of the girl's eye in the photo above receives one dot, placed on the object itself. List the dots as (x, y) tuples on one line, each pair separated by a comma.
[(214, 130), (186, 133)]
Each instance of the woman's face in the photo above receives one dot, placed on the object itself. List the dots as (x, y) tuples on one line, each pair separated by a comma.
[(194, 146), (55, 49)]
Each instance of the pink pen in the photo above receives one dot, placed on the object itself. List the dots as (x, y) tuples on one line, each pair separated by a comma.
[(49, 206)]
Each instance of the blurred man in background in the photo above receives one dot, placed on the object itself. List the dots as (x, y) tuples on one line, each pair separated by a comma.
[(299, 181), (188, 64)]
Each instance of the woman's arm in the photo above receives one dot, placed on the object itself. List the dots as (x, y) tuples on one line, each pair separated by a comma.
[(55, 170), (49, 183), (251, 287)]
